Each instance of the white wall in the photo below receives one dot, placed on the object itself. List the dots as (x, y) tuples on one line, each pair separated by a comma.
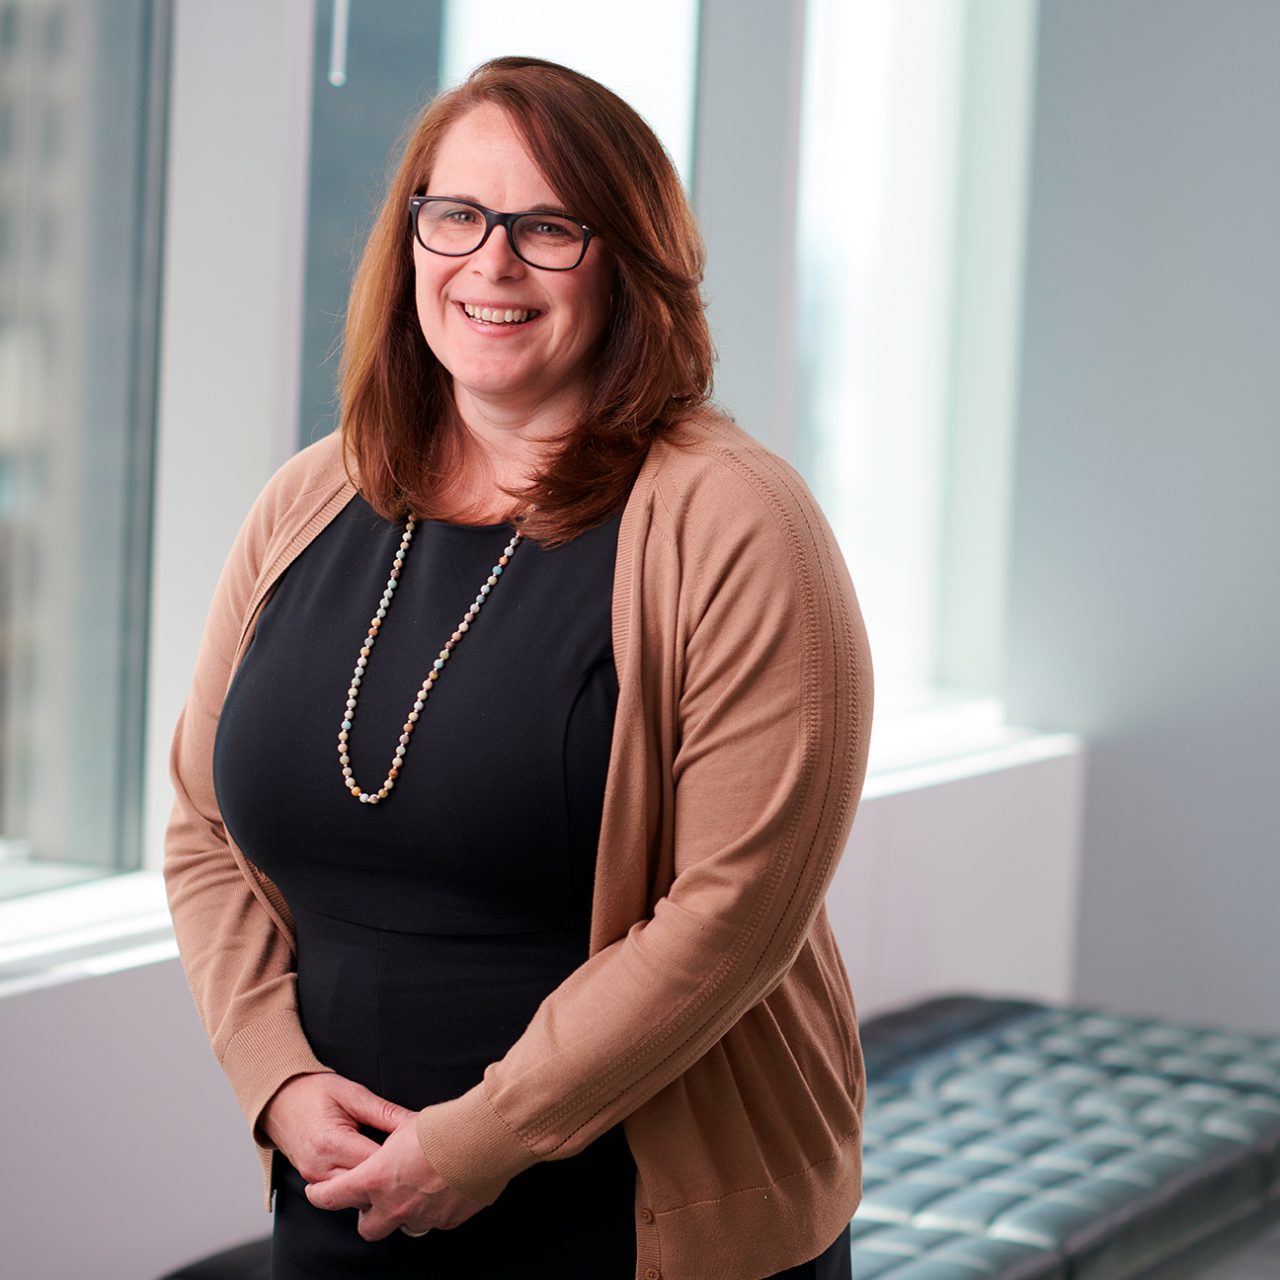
[(963, 877), (125, 1152), (956, 879), (1144, 606)]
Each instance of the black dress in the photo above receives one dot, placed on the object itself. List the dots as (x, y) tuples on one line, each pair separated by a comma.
[(430, 927)]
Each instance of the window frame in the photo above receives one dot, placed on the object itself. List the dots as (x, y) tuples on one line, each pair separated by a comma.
[(220, 438), (239, 125)]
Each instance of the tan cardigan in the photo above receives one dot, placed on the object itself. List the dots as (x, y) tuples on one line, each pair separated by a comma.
[(714, 1015)]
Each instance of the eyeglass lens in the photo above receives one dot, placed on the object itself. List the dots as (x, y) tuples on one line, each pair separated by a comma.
[(541, 239)]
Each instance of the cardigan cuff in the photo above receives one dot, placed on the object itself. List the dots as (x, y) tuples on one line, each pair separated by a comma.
[(471, 1147), (262, 1056)]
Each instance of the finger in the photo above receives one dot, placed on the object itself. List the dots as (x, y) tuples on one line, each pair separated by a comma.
[(342, 1191), (350, 1148), (343, 1149), (373, 1224), (366, 1107)]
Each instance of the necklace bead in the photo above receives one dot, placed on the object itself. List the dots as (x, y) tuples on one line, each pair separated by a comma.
[(433, 674)]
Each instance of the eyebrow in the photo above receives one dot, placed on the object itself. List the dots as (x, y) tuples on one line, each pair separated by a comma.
[(533, 208)]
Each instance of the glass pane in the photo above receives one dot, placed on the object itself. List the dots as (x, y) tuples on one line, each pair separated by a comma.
[(81, 133), (910, 230), (647, 54), (875, 269), (373, 73)]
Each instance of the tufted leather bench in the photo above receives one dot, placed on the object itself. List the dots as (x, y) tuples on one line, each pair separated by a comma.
[(1007, 1140), (1021, 1141)]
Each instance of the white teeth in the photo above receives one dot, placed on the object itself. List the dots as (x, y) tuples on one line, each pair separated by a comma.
[(494, 315)]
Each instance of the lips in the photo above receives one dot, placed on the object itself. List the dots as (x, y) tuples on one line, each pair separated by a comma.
[(499, 315)]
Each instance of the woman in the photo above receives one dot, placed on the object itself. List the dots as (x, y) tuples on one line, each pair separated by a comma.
[(535, 980)]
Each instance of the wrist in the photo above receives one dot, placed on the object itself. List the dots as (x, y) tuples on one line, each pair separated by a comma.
[(266, 1117)]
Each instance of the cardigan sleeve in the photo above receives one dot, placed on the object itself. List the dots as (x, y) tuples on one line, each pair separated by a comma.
[(233, 931), (771, 735)]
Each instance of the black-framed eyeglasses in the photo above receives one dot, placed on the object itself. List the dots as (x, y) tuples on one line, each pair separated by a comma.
[(455, 228)]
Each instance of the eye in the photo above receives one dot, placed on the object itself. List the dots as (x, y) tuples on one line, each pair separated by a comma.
[(548, 229), (446, 213)]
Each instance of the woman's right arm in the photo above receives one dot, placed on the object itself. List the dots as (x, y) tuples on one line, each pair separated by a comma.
[(234, 932)]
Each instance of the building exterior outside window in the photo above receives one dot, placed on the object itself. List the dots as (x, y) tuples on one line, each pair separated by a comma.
[(81, 136)]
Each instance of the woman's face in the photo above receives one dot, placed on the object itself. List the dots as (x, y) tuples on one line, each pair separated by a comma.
[(541, 363)]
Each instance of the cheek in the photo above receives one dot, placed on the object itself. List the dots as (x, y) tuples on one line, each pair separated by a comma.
[(594, 307), (429, 278)]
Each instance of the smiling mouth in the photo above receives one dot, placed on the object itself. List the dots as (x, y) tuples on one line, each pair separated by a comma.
[(499, 315)]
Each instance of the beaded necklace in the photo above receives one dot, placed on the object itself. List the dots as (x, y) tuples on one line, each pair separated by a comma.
[(353, 691)]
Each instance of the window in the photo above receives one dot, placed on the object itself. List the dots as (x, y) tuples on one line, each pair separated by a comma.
[(647, 54), (910, 247), (372, 67), (81, 131), (910, 225)]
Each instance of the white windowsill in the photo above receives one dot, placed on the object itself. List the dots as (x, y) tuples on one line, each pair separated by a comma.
[(953, 740), (123, 920), (83, 929)]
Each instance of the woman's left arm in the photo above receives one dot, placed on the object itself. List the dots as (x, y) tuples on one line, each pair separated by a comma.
[(773, 724)]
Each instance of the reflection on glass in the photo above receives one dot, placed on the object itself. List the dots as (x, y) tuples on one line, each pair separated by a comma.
[(80, 132)]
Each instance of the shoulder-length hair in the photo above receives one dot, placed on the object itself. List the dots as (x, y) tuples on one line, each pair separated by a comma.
[(400, 428)]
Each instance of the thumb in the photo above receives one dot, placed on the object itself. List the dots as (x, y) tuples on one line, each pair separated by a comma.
[(343, 1191), (366, 1107)]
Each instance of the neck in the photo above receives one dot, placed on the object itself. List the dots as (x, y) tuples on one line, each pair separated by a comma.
[(504, 445), (510, 442)]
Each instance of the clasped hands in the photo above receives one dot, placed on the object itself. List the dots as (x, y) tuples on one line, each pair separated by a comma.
[(315, 1122)]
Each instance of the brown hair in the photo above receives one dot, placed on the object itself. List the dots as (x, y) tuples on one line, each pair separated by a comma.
[(399, 424)]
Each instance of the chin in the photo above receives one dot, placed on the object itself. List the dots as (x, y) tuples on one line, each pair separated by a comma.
[(489, 383)]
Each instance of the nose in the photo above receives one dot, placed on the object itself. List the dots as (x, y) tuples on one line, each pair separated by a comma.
[(496, 259)]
